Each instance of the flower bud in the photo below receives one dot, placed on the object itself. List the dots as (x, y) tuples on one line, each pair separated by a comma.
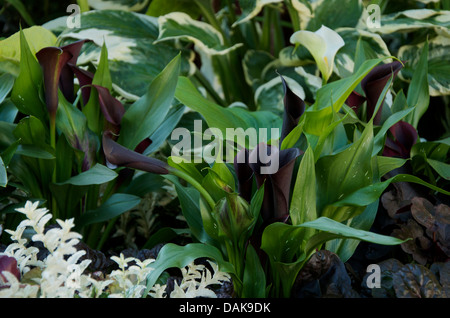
[(233, 215)]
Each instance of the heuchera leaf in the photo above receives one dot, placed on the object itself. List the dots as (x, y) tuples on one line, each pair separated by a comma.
[(8, 264)]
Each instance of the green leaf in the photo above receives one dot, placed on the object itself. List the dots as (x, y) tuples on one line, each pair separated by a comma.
[(37, 38), (220, 117), (146, 114), (366, 195), (418, 95), (331, 97), (190, 206), (102, 77), (162, 7), (172, 255), (116, 205), (438, 64), (346, 13), (441, 167), (125, 5), (27, 87), (3, 174), (98, 174), (129, 38), (387, 164), (303, 203), (414, 20), (389, 122), (73, 124), (254, 281), (343, 173), (251, 8)]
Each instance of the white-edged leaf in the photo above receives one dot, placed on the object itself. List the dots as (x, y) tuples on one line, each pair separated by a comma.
[(179, 25)]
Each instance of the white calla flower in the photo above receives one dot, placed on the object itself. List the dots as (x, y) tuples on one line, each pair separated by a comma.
[(323, 46)]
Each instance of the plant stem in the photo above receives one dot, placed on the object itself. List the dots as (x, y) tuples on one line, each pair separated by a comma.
[(195, 184), (54, 208), (205, 83), (84, 5)]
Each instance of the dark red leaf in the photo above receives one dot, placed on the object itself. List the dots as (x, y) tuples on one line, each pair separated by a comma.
[(8, 264)]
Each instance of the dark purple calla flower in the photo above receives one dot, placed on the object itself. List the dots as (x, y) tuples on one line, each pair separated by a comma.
[(244, 174), (67, 71), (119, 155), (52, 60), (373, 84), (277, 182), (294, 107), (8, 264), (57, 64), (404, 136)]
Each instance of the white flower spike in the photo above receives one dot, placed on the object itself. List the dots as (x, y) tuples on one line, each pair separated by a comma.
[(323, 46)]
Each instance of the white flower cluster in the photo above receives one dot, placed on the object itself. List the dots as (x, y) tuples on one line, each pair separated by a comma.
[(62, 275), (195, 282)]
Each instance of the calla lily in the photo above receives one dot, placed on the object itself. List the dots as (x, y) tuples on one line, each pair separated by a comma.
[(275, 206), (294, 107), (323, 46), (404, 136), (119, 155), (373, 85)]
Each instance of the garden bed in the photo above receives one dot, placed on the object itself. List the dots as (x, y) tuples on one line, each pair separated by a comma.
[(225, 149)]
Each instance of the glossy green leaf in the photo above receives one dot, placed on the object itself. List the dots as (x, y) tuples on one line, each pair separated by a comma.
[(125, 5), (366, 195), (116, 205), (146, 114), (27, 87), (98, 174), (438, 64), (3, 174), (134, 59), (37, 38), (343, 173), (303, 202), (441, 167), (179, 25), (73, 124), (172, 255), (418, 95), (254, 280), (331, 97)]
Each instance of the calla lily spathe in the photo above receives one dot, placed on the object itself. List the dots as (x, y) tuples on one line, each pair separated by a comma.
[(323, 46)]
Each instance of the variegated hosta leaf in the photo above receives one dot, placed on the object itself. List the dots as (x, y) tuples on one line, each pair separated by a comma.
[(332, 13), (37, 38), (412, 20), (251, 8), (438, 64), (134, 58), (269, 96), (126, 5), (254, 63), (179, 25), (373, 44)]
